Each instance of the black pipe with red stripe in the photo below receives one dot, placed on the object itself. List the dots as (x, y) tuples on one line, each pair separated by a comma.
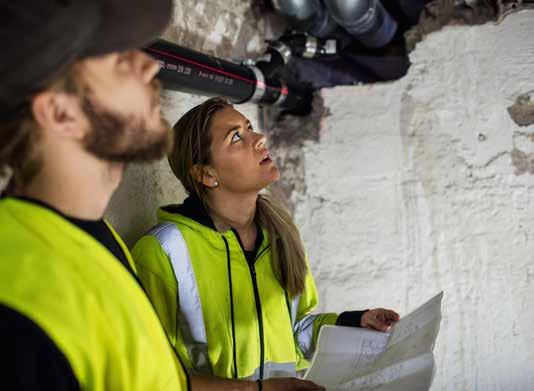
[(186, 70)]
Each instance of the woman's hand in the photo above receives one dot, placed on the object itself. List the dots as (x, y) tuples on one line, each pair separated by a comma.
[(379, 319)]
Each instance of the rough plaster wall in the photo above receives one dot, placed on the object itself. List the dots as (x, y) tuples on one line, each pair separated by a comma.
[(425, 184), (230, 30)]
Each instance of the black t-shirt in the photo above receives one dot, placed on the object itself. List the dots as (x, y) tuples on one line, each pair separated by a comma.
[(251, 255), (31, 360), (101, 232)]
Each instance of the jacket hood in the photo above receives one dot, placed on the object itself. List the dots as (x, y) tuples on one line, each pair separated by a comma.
[(192, 214), (192, 208)]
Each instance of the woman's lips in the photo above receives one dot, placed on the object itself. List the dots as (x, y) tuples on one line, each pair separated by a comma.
[(266, 160)]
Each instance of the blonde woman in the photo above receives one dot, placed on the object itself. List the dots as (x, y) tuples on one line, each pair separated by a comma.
[(227, 270)]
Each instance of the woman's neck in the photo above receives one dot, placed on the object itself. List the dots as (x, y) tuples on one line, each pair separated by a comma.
[(233, 211)]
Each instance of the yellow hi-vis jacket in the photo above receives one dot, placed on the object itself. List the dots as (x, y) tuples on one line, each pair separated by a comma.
[(226, 318), (89, 305)]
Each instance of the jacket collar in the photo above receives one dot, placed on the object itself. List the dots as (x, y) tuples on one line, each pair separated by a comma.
[(193, 209), (193, 214)]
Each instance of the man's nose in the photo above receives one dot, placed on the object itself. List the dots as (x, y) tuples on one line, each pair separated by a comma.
[(145, 66)]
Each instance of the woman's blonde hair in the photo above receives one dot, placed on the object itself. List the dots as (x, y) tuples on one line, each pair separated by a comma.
[(192, 141)]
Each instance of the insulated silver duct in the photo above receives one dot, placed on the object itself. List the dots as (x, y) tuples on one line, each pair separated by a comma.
[(366, 20), (301, 10), (308, 15)]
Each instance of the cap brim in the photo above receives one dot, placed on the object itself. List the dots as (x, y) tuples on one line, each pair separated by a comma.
[(129, 25)]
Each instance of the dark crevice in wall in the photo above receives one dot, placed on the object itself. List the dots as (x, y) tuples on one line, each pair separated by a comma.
[(287, 135)]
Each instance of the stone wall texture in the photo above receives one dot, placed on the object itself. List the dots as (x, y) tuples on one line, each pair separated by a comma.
[(413, 187)]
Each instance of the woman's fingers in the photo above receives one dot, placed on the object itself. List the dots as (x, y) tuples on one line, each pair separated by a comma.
[(389, 315), (380, 319)]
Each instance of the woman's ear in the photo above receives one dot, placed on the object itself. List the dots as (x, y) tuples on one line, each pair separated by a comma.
[(205, 175)]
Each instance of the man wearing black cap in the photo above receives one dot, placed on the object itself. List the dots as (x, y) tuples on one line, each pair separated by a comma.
[(77, 102)]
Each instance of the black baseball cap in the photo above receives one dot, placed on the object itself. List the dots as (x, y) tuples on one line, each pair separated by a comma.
[(41, 37)]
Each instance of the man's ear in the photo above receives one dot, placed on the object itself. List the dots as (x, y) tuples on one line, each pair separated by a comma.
[(60, 113), (205, 175)]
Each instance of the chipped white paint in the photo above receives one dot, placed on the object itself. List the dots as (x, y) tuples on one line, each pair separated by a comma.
[(253, 44), (200, 8), (411, 190), (221, 28), (215, 37)]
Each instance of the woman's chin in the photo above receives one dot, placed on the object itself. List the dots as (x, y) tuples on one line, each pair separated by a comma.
[(274, 175), (266, 182)]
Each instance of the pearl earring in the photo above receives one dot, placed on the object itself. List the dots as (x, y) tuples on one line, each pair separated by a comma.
[(216, 184)]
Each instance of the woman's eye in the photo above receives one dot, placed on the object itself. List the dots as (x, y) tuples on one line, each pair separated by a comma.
[(236, 137)]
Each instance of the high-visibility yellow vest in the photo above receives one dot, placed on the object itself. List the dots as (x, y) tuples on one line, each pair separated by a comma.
[(84, 299), (225, 317)]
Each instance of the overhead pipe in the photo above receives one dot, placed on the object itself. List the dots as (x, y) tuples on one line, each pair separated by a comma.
[(366, 20), (307, 15), (300, 10), (280, 51), (186, 70), (307, 46)]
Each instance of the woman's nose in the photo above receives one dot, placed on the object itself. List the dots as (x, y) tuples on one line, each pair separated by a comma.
[(260, 142)]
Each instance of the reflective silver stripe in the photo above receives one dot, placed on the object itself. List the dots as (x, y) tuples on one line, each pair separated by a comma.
[(190, 319), (303, 331), (294, 311), (274, 369)]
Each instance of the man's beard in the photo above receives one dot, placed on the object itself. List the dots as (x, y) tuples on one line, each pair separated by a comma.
[(124, 138)]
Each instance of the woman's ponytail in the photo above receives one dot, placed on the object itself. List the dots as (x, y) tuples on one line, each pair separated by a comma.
[(288, 256)]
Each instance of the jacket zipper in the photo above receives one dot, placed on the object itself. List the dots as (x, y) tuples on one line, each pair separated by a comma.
[(259, 314), (257, 301)]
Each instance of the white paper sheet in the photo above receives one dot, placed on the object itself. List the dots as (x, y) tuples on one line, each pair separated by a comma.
[(349, 358)]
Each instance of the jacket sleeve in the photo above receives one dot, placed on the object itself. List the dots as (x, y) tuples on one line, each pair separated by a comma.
[(307, 325), (155, 272)]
